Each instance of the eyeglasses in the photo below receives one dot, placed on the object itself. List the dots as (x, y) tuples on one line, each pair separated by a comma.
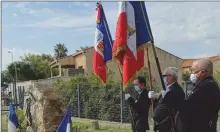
[(166, 75), (191, 70)]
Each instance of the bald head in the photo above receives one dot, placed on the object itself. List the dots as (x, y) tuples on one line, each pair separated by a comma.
[(203, 64)]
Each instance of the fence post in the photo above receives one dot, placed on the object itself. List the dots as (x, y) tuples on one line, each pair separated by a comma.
[(78, 99), (121, 89)]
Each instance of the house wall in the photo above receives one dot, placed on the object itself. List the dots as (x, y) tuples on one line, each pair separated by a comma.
[(166, 60), (80, 60), (112, 65)]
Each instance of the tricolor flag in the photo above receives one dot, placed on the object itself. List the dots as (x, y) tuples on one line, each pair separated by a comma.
[(65, 125), (132, 34), (12, 119), (103, 45)]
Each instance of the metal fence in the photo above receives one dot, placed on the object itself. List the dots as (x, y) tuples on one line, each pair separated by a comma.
[(94, 107), (116, 112), (9, 95)]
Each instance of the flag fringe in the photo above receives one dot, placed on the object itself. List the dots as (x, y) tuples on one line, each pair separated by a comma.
[(145, 45), (103, 83), (125, 86), (119, 49)]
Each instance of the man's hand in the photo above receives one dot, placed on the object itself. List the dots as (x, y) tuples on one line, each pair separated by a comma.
[(152, 95), (127, 95)]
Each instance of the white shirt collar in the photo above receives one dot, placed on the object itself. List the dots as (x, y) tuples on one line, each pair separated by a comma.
[(167, 87)]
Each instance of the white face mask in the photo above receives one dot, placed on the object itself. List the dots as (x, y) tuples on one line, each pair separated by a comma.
[(193, 78)]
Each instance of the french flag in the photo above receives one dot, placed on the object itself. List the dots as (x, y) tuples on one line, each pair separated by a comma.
[(133, 34), (12, 119), (65, 125), (103, 45)]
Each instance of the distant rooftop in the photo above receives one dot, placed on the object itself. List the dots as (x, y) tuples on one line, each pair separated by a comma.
[(188, 62)]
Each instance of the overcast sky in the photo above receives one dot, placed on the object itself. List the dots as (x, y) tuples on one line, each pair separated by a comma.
[(188, 30)]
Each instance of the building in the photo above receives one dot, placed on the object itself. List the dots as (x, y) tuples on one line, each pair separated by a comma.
[(82, 61), (188, 63)]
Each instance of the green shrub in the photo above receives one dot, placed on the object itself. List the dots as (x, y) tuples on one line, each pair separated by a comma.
[(186, 76), (96, 101), (21, 119), (217, 76)]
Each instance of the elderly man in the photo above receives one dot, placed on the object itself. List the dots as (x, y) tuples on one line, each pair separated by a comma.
[(169, 103), (140, 106), (203, 104)]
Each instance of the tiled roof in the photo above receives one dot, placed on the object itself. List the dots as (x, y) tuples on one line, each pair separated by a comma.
[(188, 62)]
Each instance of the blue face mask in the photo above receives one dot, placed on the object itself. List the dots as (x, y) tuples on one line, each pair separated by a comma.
[(165, 81), (137, 89)]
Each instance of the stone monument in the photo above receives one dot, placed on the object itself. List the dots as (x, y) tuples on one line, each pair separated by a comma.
[(43, 109)]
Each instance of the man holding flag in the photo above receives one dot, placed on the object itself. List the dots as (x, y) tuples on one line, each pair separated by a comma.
[(132, 35)]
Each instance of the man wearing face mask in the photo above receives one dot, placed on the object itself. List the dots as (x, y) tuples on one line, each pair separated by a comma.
[(170, 102), (140, 106), (203, 104)]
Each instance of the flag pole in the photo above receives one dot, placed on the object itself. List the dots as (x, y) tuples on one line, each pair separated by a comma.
[(150, 80), (121, 88), (121, 85)]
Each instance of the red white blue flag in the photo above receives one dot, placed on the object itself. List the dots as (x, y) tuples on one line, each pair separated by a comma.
[(103, 45), (132, 33)]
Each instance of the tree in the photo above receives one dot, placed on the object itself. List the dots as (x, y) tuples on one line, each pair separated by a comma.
[(60, 50), (24, 71), (31, 67), (39, 64), (186, 76), (47, 57), (5, 77), (84, 47)]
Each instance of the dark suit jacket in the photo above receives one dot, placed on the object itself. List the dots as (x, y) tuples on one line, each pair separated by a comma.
[(172, 100), (202, 106), (140, 109)]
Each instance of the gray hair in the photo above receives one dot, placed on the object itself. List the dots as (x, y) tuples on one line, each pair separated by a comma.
[(173, 71)]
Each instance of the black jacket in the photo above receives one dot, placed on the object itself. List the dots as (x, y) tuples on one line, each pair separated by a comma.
[(173, 100), (140, 109), (202, 107)]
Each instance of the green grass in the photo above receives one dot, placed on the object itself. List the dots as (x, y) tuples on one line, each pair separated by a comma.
[(4, 122), (81, 127), (85, 127)]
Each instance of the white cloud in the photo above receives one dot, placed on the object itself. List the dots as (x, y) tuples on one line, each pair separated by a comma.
[(5, 5), (15, 14), (172, 24), (22, 6), (169, 22), (85, 4), (67, 20)]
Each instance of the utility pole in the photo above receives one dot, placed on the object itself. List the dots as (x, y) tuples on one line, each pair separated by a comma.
[(15, 79)]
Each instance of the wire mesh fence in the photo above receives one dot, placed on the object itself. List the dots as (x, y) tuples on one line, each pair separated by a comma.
[(106, 104)]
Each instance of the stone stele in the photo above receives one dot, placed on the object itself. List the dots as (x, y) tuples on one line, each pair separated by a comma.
[(43, 110)]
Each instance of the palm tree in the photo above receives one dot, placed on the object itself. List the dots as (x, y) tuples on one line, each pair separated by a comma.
[(84, 47), (60, 50)]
